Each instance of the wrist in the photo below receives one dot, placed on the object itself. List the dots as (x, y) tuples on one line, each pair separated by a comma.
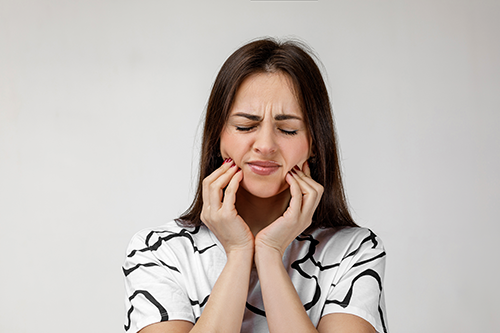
[(269, 248), (241, 254), (267, 254)]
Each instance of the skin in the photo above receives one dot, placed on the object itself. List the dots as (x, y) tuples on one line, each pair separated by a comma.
[(256, 217), (265, 125)]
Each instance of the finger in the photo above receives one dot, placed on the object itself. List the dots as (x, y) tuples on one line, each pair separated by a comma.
[(306, 169), (305, 176), (220, 170), (231, 189), (305, 182), (295, 204), (311, 191), (213, 176), (217, 186)]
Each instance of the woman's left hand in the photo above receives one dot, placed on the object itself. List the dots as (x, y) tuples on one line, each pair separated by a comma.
[(306, 195)]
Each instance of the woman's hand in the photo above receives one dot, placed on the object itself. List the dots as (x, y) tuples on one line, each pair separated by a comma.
[(219, 213), (306, 195)]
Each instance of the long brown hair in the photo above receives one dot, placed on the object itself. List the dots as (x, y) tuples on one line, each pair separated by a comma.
[(293, 59)]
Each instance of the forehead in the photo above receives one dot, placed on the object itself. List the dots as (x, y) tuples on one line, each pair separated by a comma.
[(262, 92)]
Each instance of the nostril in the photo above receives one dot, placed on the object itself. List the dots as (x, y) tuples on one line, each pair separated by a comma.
[(266, 150)]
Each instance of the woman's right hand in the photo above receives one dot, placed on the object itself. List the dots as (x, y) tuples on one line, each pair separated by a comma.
[(226, 305), (219, 213)]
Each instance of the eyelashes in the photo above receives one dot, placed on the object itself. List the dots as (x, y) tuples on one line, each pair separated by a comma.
[(243, 129), (288, 132), (248, 129)]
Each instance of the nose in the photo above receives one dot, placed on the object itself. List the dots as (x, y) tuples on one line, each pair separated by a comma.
[(265, 141)]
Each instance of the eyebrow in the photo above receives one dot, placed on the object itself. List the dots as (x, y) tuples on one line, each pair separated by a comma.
[(253, 117)]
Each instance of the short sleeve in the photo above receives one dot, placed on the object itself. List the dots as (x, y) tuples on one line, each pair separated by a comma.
[(358, 290), (154, 289)]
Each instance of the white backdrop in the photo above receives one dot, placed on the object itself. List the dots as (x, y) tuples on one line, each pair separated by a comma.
[(100, 106)]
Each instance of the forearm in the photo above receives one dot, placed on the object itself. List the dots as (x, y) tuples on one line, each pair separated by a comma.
[(226, 304), (284, 310)]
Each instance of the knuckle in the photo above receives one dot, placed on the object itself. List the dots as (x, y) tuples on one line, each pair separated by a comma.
[(212, 186), (229, 189), (215, 184), (225, 215)]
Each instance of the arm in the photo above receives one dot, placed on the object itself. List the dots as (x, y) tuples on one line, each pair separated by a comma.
[(344, 323), (284, 309), (226, 304)]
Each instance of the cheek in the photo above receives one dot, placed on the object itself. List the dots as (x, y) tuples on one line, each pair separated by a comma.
[(229, 146), (300, 151)]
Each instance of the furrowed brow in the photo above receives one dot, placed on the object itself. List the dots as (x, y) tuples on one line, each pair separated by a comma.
[(278, 117), (286, 117), (249, 116)]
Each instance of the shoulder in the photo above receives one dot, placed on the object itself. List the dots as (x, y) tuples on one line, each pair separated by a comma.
[(147, 237), (169, 236), (347, 238), (349, 246), (358, 257)]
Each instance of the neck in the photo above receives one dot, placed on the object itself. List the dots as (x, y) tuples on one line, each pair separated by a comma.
[(257, 212)]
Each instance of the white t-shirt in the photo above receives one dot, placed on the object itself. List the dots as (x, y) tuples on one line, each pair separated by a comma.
[(170, 272)]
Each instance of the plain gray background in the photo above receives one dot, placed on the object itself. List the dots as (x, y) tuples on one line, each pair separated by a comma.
[(100, 106)]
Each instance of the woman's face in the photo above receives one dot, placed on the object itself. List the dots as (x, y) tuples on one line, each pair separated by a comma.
[(265, 134)]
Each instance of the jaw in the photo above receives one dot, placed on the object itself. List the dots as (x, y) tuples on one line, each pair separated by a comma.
[(264, 187), (265, 201)]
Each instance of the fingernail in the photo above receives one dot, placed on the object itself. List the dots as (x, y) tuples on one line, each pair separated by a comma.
[(296, 168), (293, 171), (234, 164)]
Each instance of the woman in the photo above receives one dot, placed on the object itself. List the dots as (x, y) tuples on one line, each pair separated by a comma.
[(268, 243)]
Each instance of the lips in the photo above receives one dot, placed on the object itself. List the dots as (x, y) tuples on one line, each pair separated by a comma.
[(263, 168)]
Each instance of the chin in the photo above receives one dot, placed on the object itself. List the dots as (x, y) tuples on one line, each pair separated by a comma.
[(264, 189)]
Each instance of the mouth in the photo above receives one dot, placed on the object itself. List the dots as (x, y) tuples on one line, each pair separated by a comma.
[(263, 168)]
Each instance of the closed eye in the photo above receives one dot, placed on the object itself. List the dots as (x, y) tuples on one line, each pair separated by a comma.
[(288, 132), (244, 129), (249, 128)]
